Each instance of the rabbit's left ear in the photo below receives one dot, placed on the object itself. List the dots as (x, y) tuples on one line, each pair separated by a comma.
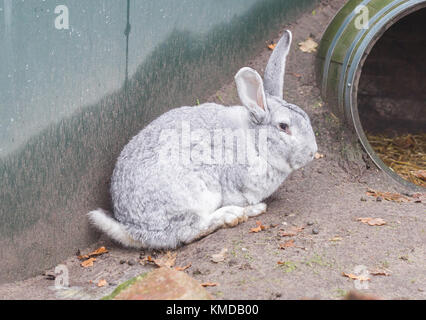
[(251, 93), (275, 69)]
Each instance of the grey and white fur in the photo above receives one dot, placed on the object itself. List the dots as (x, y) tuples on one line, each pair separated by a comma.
[(163, 202)]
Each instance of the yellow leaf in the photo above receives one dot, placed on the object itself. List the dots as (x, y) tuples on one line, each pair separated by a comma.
[(308, 45)]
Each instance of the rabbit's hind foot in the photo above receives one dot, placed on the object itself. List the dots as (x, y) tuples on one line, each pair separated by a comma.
[(228, 216), (255, 210)]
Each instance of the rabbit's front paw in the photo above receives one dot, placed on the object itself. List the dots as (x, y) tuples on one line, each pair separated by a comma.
[(255, 210)]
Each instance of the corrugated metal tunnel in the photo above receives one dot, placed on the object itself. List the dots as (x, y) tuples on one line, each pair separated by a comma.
[(372, 72)]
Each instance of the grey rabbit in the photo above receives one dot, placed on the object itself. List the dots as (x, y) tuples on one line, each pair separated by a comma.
[(196, 169)]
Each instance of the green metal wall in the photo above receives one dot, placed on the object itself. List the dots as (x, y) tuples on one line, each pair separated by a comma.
[(71, 98)]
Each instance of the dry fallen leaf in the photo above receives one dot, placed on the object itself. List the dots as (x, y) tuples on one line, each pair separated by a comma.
[(389, 196), (168, 260), (256, 230), (287, 244), (209, 284), (355, 277), (291, 232), (372, 221), (272, 46), (102, 283), (297, 75), (259, 227), (219, 257), (183, 268), (308, 45), (318, 155), (379, 272), (337, 238), (95, 253), (88, 263)]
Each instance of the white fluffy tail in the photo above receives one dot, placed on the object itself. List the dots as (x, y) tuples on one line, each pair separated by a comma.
[(112, 228)]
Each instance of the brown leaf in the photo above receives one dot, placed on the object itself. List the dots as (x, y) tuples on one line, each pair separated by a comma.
[(287, 244), (372, 221), (209, 284), (355, 277), (102, 283), (256, 230), (184, 268), (379, 272), (308, 45), (88, 263), (219, 257), (291, 232), (259, 227), (97, 252), (389, 196), (297, 75), (168, 260)]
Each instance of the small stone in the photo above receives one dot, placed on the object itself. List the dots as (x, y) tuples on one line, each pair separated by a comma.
[(310, 223), (379, 199), (122, 261), (164, 284), (232, 262), (315, 231), (196, 272), (363, 199), (131, 262), (50, 277)]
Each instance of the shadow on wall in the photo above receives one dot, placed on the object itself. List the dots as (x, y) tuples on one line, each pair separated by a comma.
[(49, 185)]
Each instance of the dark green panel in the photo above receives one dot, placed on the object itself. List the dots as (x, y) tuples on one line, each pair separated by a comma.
[(72, 98)]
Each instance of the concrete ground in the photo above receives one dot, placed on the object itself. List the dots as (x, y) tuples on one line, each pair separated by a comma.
[(325, 198)]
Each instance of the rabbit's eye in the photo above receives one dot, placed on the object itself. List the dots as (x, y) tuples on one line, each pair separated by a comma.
[(284, 127)]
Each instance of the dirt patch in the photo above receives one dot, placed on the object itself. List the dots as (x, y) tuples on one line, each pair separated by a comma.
[(326, 198)]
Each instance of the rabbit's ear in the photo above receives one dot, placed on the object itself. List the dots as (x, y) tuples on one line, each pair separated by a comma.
[(251, 93), (275, 69)]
